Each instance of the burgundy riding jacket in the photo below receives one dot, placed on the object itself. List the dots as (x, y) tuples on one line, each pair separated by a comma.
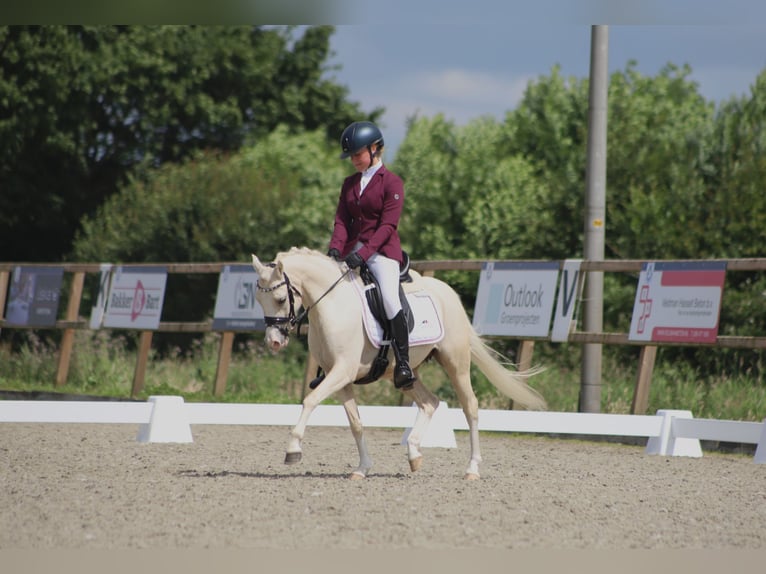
[(370, 218)]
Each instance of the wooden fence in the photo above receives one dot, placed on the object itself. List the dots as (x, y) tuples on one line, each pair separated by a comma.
[(73, 321)]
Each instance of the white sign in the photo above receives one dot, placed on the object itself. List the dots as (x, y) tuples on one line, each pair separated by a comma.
[(135, 297), (678, 302), (236, 308), (570, 292), (99, 309), (515, 298)]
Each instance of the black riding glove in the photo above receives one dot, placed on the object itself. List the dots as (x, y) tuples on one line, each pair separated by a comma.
[(334, 253), (354, 260)]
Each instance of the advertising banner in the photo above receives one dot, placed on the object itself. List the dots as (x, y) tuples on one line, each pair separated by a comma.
[(135, 297), (34, 295), (570, 293), (235, 306), (516, 298), (678, 302)]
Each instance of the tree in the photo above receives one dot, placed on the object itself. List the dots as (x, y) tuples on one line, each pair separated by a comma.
[(213, 207), (84, 108), (734, 207), (263, 199), (658, 131)]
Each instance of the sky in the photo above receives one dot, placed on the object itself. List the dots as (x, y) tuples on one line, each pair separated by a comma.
[(476, 57)]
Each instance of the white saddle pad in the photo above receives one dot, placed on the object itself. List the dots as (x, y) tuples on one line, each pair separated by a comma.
[(428, 327)]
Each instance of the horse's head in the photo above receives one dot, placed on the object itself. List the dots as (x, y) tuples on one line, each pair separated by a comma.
[(279, 299)]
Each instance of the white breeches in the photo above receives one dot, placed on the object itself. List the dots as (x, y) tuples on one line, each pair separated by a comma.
[(386, 271)]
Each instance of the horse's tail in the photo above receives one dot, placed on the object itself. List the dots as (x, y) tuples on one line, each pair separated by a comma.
[(511, 383)]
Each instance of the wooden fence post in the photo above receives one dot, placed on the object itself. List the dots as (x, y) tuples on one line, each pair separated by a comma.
[(67, 341), (3, 291), (143, 356), (224, 358), (643, 379)]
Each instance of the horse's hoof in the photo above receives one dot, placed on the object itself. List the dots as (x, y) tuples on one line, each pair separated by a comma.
[(416, 463), (356, 476), (293, 457), (471, 476)]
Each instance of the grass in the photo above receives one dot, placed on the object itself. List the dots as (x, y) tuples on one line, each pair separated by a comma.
[(103, 364)]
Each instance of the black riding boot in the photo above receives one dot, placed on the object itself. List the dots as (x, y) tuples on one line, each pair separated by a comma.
[(403, 375), (317, 380)]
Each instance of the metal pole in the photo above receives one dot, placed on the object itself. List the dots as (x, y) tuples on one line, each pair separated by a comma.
[(595, 213)]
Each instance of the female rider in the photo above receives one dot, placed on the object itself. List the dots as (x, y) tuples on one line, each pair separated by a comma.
[(365, 231)]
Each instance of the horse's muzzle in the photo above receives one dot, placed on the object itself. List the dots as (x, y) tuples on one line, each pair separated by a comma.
[(276, 338)]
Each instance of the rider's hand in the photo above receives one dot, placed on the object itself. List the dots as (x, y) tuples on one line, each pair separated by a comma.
[(354, 260), (334, 253)]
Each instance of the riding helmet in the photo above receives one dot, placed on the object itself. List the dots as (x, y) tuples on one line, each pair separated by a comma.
[(359, 135)]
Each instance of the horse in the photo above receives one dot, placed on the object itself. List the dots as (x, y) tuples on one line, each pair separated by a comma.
[(341, 345)]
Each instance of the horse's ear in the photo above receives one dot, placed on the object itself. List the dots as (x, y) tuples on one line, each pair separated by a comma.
[(257, 265)]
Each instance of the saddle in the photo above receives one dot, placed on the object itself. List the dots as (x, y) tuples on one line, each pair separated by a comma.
[(375, 303)]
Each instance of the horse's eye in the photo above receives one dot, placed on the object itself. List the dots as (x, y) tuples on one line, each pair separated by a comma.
[(281, 300)]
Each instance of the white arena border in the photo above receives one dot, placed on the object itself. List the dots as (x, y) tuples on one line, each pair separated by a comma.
[(169, 419)]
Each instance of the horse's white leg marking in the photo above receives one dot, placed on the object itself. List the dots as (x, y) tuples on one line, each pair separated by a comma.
[(471, 410), (457, 364), (427, 403), (472, 472)]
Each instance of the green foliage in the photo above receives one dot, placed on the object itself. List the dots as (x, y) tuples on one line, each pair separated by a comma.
[(104, 366), (262, 200), (83, 108), (658, 132), (684, 181), (734, 214)]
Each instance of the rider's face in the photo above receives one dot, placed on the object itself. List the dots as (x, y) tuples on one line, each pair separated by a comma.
[(361, 159)]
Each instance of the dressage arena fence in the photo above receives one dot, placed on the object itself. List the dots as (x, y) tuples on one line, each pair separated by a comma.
[(73, 321), (168, 419)]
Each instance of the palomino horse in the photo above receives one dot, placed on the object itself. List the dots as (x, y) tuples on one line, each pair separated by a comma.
[(341, 345)]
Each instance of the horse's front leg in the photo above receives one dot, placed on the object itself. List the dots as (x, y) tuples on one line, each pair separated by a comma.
[(357, 430), (334, 381)]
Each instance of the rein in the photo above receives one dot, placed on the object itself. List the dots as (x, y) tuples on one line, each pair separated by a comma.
[(292, 319)]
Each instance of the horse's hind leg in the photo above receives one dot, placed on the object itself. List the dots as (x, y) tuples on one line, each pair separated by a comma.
[(460, 375), (427, 403), (355, 423)]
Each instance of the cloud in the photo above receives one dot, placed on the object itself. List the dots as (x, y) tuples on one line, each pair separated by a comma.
[(459, 95), (459, 87)]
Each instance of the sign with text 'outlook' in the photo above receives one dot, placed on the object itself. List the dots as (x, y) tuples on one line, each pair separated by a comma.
[(515, 298)]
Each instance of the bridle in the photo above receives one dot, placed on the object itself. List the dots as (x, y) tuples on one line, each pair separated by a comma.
[(287, 324)]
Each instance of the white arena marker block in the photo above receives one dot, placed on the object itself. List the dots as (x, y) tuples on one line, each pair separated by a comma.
[(667, 443), (439, 432), (169, 421), (760, 451)]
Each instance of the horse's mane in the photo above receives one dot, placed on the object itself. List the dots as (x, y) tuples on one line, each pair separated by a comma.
[(299, 251)]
